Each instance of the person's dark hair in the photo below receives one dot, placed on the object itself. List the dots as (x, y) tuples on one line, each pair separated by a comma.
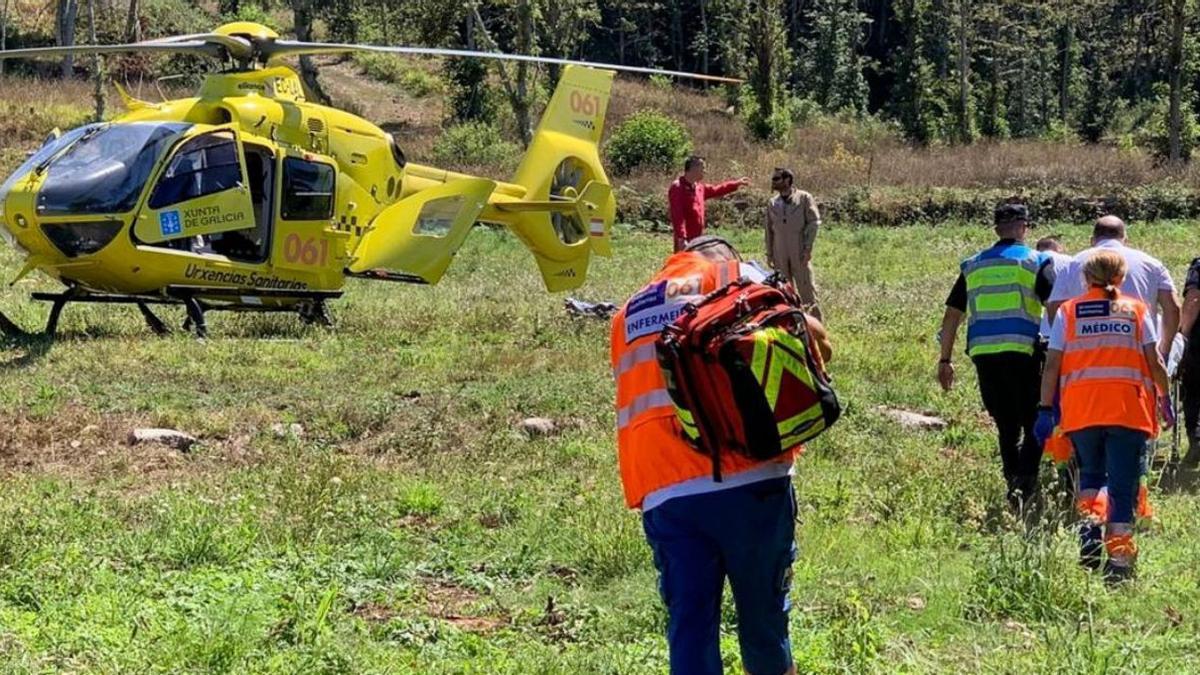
[(781, 173), (1050, 243), (691, 162)]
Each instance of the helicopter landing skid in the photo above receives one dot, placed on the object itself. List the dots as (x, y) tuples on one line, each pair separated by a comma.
[(311, 308), (7, 327)]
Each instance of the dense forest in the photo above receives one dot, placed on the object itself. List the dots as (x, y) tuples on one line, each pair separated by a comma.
[(945, 71)]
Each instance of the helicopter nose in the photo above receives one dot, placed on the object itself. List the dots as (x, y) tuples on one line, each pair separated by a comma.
[(83, 237)]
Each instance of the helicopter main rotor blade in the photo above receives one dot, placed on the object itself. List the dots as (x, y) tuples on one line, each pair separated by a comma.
[(236, 47), (183, 47), (283, 48)]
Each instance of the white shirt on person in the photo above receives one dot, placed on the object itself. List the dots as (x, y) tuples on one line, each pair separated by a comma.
[(1145, 279), (1062, 263)]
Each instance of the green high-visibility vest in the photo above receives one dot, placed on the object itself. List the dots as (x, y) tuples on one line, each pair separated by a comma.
[(1003, 310)]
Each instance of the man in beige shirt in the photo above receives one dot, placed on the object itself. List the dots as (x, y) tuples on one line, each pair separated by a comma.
[(792, 223)]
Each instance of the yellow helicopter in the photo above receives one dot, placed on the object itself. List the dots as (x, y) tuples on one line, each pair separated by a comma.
[(247, 197)]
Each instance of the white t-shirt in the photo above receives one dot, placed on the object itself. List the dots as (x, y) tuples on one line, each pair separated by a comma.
[(1061, 263), (1058, 334), (1144, 280)]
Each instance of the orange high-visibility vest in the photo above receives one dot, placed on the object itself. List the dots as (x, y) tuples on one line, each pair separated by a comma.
[(1105, 379), (652, 450)]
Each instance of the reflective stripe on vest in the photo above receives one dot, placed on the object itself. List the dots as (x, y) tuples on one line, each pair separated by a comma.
[(1003, 310), (1104, 373), (655, 398), (636, 357)]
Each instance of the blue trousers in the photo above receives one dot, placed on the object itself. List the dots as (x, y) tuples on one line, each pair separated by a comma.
[(746, 534), (1111, 456)]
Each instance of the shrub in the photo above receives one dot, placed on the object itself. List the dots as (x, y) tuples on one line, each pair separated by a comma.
[(1059, 132), (392, 69), (648, 139), (253, 14), (474, 144), (467, 90), (775, 127), (803, 110), (1156, 138), (420, 83)]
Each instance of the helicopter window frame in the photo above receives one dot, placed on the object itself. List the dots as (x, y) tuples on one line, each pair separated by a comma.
[(203, 143), (293, 209)]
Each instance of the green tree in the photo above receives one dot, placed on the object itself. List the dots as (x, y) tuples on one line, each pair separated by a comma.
[(516, 79), (963, 128), (768, 75), (837, 62), (916, 104), (467, 79), (563, 28), (1180, 13), (1096, 111), (304, 12)]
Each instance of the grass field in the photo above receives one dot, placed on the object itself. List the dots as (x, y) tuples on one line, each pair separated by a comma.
[(408, 526)]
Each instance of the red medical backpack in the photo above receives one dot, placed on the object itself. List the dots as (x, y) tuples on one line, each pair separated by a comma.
[(740, 369)]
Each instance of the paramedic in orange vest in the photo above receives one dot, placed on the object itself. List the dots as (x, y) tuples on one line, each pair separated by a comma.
[(1105, 370), (699, 530)]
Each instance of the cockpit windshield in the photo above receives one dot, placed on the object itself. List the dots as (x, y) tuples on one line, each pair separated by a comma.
[(48, 150), (105, 169)]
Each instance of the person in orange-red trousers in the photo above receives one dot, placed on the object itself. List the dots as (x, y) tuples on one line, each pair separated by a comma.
[(1103, 366), (686, 197), (702, 531)]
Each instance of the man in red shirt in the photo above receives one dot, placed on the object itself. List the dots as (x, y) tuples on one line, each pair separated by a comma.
[(685, 199)]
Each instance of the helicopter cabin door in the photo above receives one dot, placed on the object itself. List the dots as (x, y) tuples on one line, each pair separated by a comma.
[(202, 201), (419, 234), (305, 237)]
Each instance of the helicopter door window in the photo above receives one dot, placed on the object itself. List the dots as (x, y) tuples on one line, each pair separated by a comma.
[(438, 216), (203, 166), (252, 244), (307, 190)]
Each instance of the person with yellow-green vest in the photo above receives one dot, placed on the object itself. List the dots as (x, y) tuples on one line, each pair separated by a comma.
[(1001, 291)]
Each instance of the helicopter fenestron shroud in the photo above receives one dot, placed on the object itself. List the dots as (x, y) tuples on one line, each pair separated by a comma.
[(249, 197)]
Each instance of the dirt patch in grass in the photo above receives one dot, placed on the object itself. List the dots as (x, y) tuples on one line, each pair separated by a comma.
[(374, 612), (82, 444), (458, 606)]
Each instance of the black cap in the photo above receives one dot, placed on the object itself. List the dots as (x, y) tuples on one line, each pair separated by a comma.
[(1012, 213)]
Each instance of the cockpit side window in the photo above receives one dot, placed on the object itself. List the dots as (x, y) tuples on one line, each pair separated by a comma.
[(203, 166), (307, 190)]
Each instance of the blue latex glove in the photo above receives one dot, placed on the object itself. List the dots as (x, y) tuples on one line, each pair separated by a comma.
[(1166, 408), (1047, 419)]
